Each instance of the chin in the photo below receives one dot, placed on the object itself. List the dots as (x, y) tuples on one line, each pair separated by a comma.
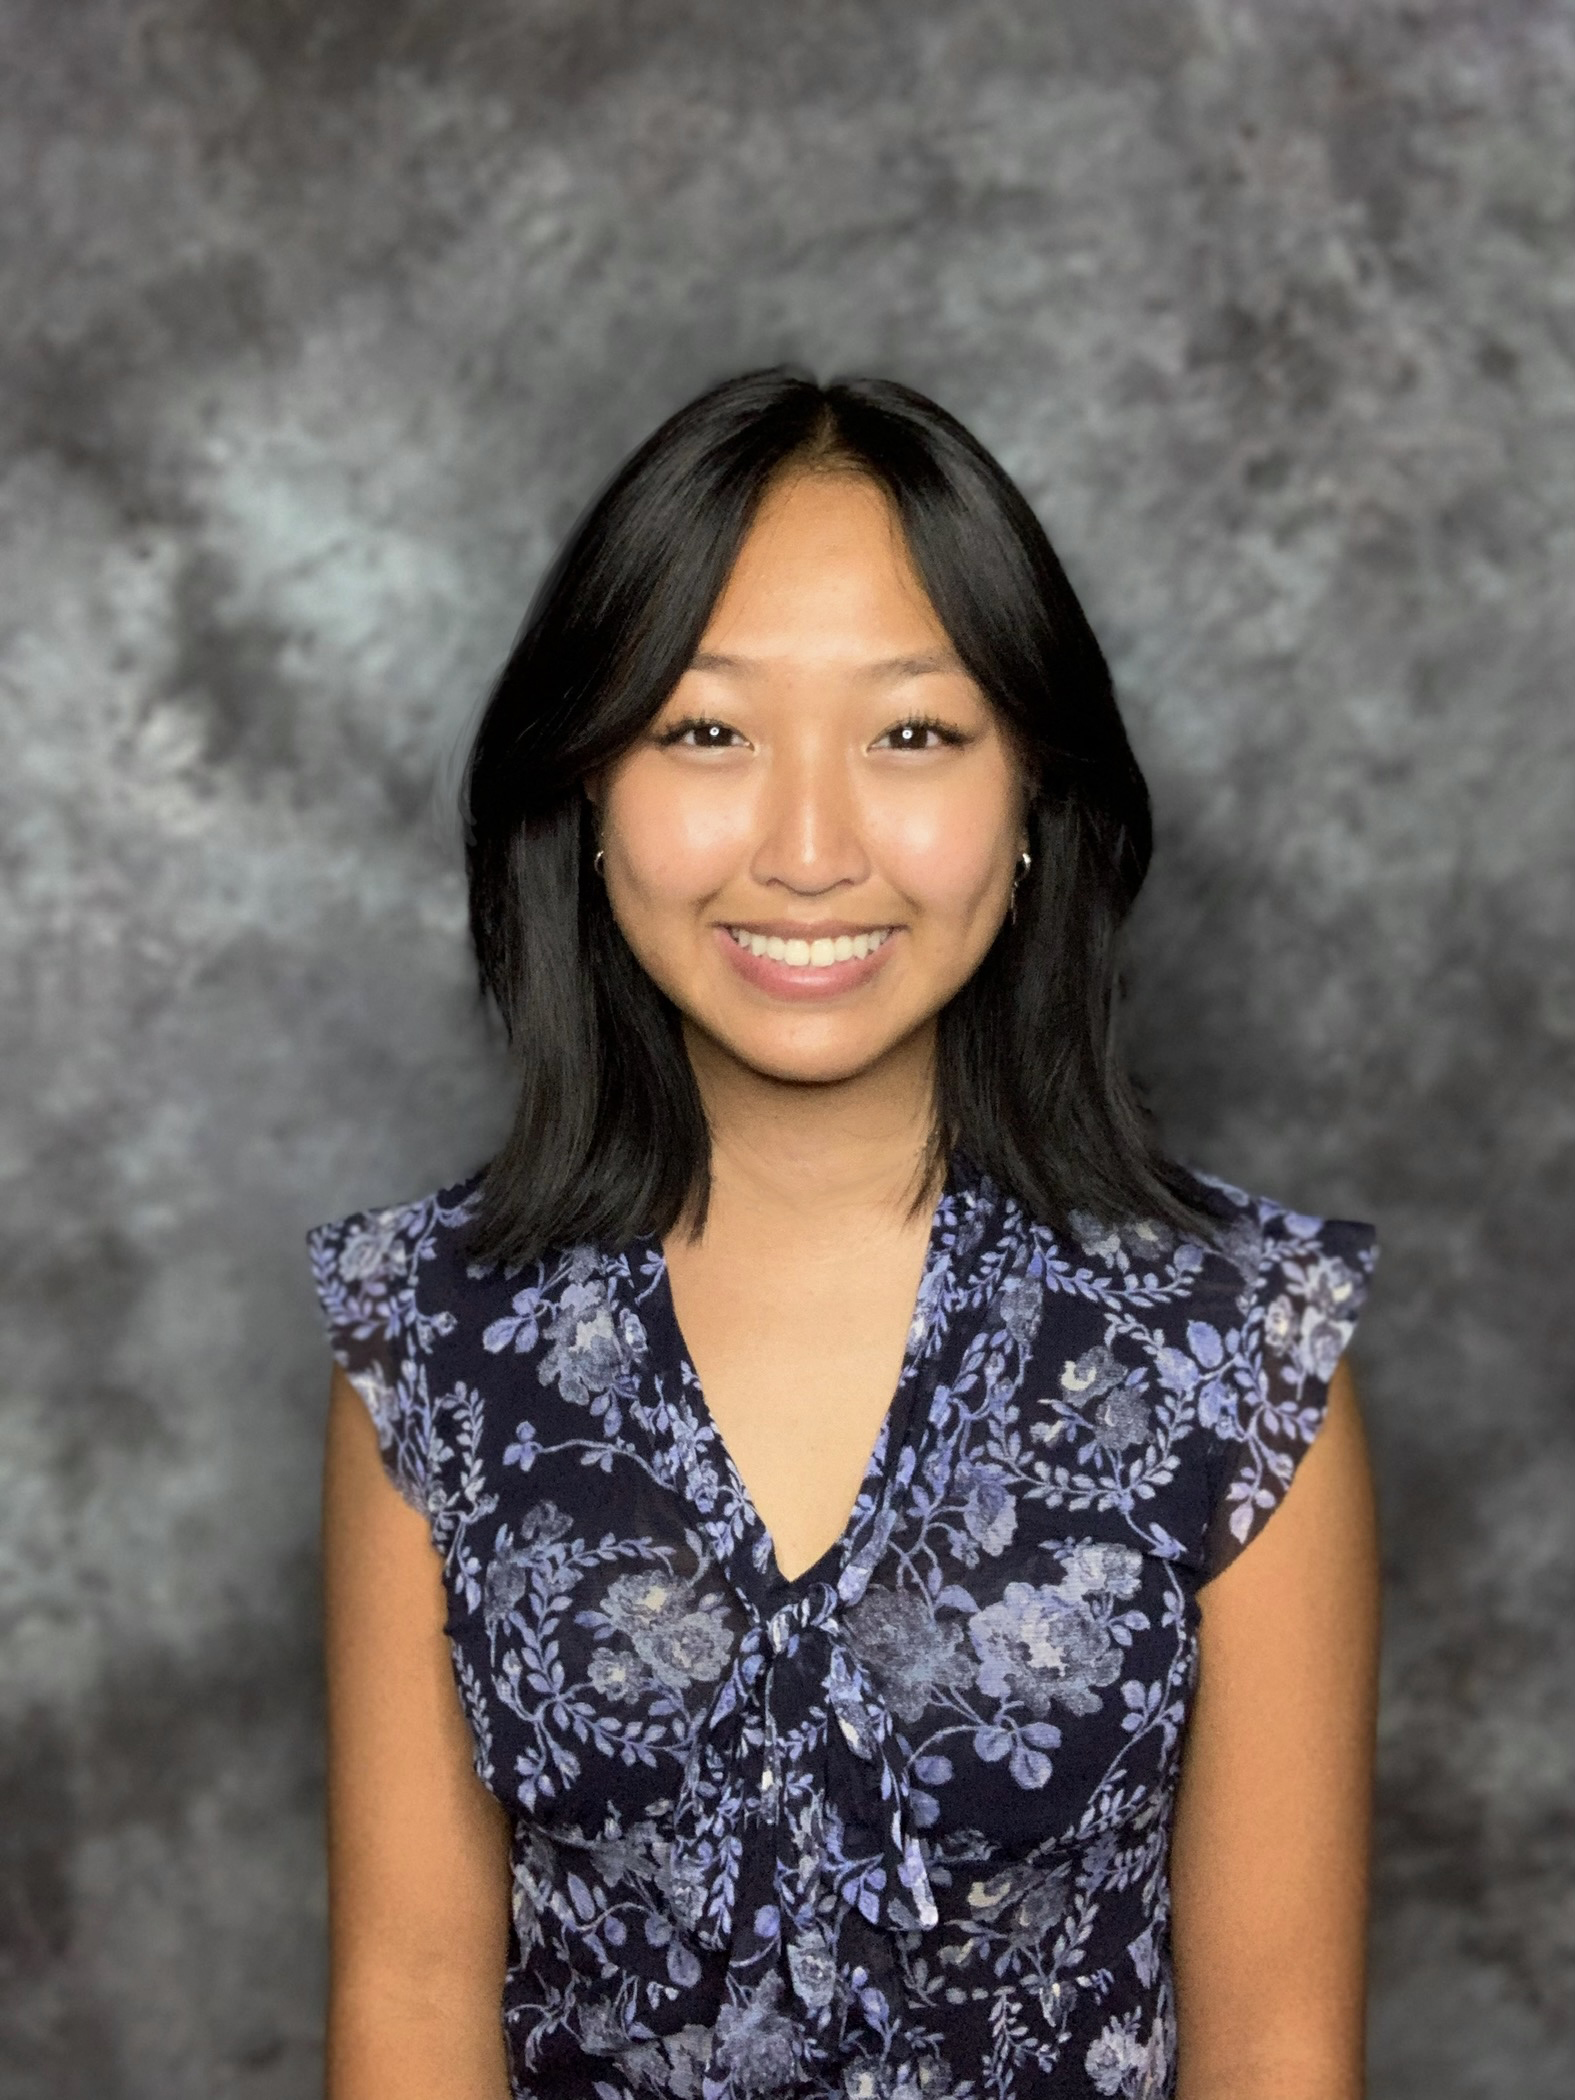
[(801, 1064), (810, 1071)]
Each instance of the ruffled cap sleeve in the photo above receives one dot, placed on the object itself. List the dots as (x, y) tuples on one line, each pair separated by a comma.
[(364, 1273), (1311, 1282)]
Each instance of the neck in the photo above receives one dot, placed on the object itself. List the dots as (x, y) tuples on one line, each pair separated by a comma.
[(852, 1145)]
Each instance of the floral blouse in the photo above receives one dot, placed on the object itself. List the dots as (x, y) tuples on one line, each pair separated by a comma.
[(898, 1827)]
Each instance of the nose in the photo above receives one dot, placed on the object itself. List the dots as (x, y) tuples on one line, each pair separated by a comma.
[(810, 836)]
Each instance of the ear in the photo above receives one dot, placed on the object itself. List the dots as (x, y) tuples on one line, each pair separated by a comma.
[(594, 785)]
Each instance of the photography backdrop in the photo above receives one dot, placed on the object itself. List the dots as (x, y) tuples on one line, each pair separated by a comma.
[(322, 320)]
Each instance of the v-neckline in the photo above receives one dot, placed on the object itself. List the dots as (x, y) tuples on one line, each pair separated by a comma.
[(894, 1432)]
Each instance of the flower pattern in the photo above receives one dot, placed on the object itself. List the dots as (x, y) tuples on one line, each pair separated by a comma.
[(896, 1830)]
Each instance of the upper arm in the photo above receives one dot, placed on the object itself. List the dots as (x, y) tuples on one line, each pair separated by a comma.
[(418, 1849), (1269, 1854)]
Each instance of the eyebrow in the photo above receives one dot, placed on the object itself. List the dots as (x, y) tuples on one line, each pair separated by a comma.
[(926, 666)]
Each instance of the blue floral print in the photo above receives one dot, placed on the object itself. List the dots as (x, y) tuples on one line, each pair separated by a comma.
[(899, 1827)]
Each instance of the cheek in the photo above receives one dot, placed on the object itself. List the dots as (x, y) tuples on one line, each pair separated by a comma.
[(677, 840), (946, 852)]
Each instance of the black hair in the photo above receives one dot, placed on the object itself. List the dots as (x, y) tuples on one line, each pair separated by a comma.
[(609, 1139)]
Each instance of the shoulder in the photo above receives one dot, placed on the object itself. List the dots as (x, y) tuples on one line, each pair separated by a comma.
[(374, 1257), (1303, 1291), (407, 1277), (1305, 1278), (386, 1281), (1279, 1225), (1203, 1359), (392, 1284), (1250, 1239)]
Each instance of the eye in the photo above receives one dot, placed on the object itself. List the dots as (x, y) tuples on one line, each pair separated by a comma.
[(920, 733), (700, 733)]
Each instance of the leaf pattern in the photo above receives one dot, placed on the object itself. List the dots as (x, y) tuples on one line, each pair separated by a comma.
[(898, 1827)]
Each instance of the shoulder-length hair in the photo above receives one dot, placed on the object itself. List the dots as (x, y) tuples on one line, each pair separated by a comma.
[(609, 1139)]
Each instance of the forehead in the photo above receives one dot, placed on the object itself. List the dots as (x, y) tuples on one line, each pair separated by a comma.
[(824, 567)]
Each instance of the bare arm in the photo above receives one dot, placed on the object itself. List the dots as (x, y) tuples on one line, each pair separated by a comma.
[(418, 1849), (1269, 1858)]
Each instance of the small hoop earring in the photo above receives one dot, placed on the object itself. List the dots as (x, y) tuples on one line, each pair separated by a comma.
[(1025, 861), (597, 862)]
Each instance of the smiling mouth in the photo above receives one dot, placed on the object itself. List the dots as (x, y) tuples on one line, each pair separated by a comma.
[(819, 954)]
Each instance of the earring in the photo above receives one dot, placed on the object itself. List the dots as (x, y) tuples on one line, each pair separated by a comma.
[(597, 863), (1025, 861)]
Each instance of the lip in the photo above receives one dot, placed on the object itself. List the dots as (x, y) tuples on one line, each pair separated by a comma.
[(804, 982)]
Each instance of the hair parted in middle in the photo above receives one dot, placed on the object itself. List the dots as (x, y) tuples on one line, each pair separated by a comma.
[(609, 1139)]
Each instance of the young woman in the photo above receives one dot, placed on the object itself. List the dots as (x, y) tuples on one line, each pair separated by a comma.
[(881, 1595)]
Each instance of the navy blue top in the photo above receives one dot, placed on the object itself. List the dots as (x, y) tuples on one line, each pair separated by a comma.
[(898, 1827)]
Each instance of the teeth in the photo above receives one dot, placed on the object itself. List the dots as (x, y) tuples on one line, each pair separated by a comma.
[(815, 955)]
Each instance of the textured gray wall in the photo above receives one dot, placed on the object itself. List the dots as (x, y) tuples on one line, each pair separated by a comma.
[(321, 321)]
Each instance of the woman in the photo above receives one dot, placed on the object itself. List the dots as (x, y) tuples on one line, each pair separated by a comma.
[(831, 1638)]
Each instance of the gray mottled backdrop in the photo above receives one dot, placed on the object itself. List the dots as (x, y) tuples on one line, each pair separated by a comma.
[(321, 321)]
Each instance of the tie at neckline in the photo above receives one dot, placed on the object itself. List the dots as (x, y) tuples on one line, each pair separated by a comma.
[(794, 1810)]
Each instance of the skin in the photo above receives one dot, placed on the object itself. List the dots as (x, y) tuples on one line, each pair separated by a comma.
[(785, 789), (417, 1846), (827, 765)]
